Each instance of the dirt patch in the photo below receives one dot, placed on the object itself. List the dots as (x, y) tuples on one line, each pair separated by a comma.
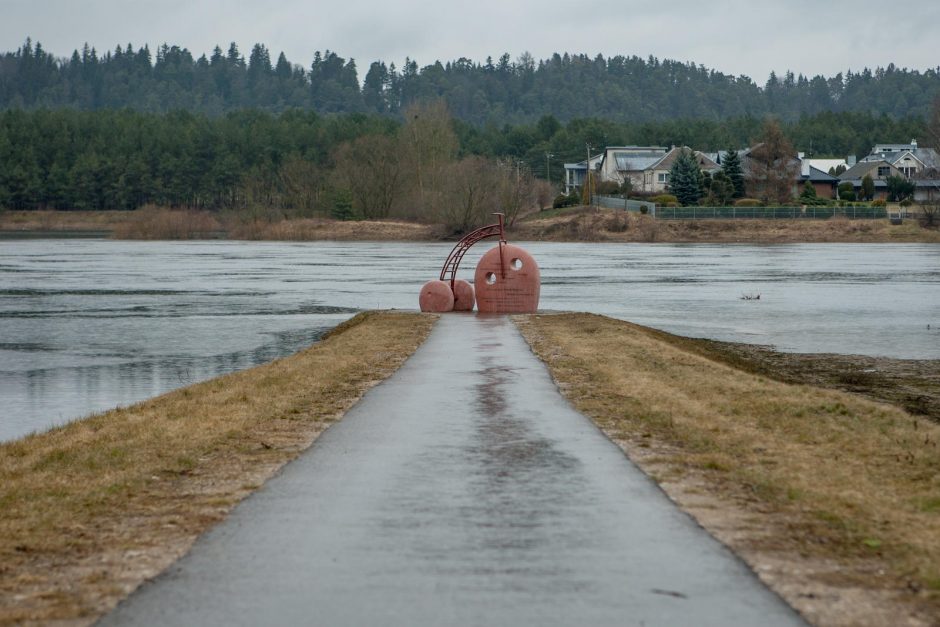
[(90, 510), (831, 498)]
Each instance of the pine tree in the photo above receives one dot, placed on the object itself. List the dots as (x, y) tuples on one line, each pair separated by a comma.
[(342, 205), (731, 166), (685, 178)]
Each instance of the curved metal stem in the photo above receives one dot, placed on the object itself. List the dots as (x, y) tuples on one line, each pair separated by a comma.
[(449, 271)]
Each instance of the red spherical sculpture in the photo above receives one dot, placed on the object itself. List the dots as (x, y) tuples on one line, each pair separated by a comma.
[(507, 280), (464, 297), (436, 297)]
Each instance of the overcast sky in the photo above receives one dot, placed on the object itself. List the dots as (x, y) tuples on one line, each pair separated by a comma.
[(749, 37)]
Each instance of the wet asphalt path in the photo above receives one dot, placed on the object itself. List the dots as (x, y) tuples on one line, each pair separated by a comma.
[(462, 491)]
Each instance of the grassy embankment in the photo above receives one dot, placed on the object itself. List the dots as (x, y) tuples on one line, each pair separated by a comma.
[(832, 498), (572, 224), (606, 225), (91, 509)]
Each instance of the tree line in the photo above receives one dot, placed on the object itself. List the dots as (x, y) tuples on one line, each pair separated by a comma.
[(502, 91), (298, 161)]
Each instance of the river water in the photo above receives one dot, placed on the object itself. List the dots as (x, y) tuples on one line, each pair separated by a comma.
[(89, 324)]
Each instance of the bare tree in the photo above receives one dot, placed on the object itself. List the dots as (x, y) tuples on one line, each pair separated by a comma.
[(516, 189), (370, 167), (428, 146), (303, 185), (933, 125), (771, 166), (469, 195)]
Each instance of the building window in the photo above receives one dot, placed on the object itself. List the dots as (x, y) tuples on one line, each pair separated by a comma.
[(662, 177), (884, 170)]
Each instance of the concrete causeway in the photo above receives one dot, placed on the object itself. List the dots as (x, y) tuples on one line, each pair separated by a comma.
[(462, 491)]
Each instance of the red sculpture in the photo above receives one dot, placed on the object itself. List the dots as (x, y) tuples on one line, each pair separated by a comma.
[(507, 279)]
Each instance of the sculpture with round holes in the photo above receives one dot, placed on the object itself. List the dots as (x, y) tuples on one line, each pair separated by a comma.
[(506, 280)]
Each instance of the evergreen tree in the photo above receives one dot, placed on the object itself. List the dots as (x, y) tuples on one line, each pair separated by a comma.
[(731, 166), (720, 189), (868, 187), (342, 205), (685, 178), (809, 192)]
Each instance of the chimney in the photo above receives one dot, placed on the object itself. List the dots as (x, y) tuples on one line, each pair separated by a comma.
[(804, 167), (850, 160), (914, 144)]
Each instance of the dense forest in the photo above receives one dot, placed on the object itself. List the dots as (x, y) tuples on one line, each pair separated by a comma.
[(504, 91), (447, 142), (298, 160)]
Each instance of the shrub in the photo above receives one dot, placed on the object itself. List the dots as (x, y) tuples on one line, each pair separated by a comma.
[(667, 200), (747, 202), (561, 200), (906, 202), (847, 195), (878, 203), (607, 188)]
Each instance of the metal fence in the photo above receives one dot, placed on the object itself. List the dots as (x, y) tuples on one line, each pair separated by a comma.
[(612, 202), (770, 213)]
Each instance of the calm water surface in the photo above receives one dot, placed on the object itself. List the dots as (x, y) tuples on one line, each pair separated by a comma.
[(86, 325)]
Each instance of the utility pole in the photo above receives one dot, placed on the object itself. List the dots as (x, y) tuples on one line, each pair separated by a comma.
[(587, 175), (548, 167)]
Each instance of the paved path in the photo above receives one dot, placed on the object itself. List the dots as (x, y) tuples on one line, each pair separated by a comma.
[(462, 491)]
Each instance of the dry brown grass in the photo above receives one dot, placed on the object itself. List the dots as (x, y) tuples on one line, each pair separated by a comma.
[(91, 509), (312, 229), (575, 224), (160, 223), (607, 225), (839, 496), (71, 221)]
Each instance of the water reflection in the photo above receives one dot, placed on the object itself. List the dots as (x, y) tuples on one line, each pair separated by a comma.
[(89, 324)]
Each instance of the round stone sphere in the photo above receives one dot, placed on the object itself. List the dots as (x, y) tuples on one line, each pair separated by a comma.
[(436, 297), (464, 297), (507, 280)]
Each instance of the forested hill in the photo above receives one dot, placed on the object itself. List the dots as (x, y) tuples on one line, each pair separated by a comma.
[(504, 91)]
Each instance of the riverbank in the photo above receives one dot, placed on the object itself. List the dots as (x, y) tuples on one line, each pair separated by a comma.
[(830, 497), (91, 509), (571, 225)]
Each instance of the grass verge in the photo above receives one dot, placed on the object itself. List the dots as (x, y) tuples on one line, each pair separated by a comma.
[(571, 224), (833, 499), (91, 509)]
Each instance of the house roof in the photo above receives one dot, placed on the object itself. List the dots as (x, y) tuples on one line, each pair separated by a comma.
[(818, 176), (927, 156), (582, 165), (825, 164), (633, 158), (860, 169), (635, 161), (666, 161)]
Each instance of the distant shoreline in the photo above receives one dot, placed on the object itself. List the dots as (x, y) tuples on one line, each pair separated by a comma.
[(577, 225)]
